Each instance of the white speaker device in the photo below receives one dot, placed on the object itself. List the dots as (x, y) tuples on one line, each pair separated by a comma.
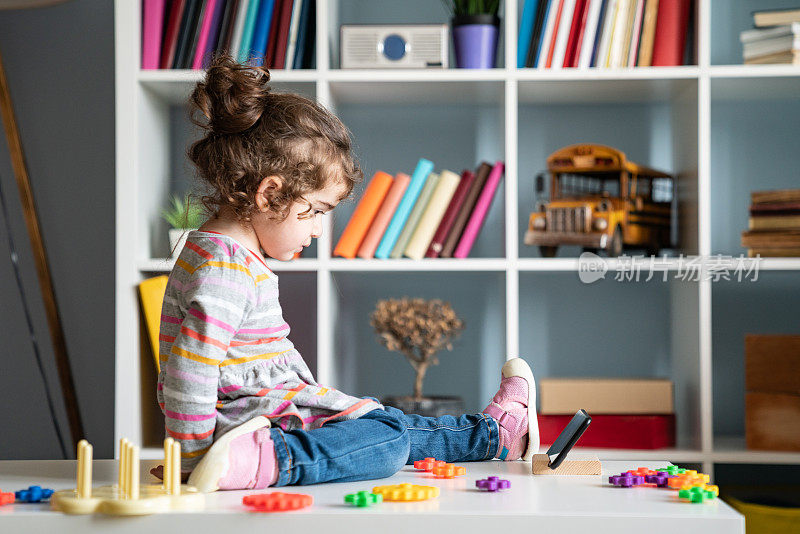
[(401, 46)]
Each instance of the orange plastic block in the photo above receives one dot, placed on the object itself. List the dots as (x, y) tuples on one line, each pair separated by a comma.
[(7, 498), (406, 492), (688, 480), (277, 501), (642, 472), (449, 471), (428, 464)]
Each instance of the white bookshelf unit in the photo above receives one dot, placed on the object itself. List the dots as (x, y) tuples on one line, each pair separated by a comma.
[(693, 121)]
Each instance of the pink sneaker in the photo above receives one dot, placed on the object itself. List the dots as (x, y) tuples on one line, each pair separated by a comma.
[(514, 409), (243, 458)]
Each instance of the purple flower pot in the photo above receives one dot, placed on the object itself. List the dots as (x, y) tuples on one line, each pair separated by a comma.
[(475, 40)]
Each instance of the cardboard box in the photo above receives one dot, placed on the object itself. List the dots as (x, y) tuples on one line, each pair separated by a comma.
[(772, 421), (623, 396), (772, 364)]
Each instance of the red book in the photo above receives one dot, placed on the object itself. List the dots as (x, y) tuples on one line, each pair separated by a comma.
[(171, 34), (615, 431), (277, 14), (672, 24), (283, 34), (555, 34), (437, 243), (578, 21)]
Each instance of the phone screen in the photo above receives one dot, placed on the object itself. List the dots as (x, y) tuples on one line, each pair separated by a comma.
[(567, 439)]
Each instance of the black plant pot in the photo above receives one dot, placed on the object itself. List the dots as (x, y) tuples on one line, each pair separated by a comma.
[(427, 406)]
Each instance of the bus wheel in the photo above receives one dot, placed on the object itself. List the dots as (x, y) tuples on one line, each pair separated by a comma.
[(615, 245), (548, 252), (652, 249)]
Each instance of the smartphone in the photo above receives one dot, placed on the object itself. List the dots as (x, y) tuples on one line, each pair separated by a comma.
[(567, 439)]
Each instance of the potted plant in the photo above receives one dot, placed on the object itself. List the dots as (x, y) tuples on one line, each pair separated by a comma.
[(476, 28), (418, 329), (183, 215)]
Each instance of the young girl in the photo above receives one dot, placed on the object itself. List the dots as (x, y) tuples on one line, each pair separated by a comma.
[(234, 391)]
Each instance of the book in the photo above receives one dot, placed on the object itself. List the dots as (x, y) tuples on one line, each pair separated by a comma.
[(548, 30), (246, 44), (628, 35), (449, 217), (363, 215), (672, 23), (478, 216), (787, 43), (538, 33), (384, 215), (615, 431), (773, 222), (283, 34), (551, 47), (420, 174), (648, 34), (188, 20), (451, 241), (226, 27), (306, 36), (170, 41), (618, 35), (785, 252), (619, 396), (576, 33), (414, 216), (562, 34), (776, 17), (636, 33), (762, 34), (771, 238), (432, 216), (526, 23), (292, 44), (272, 39), (194, 32), (238, 27), (261, 33), (609, 21), (152, 26), (207, 37), (790, 57), (591, 32)]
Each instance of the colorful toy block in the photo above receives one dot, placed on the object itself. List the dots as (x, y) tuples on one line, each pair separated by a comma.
[(672, 470), (642, 472), (277, 501), (428, 464), (406, 492), (492, 484), (33, 494), (688, 480), (696, 494), (7, 498), (661, 479), (449, 471), (363, 498), (626, 480)]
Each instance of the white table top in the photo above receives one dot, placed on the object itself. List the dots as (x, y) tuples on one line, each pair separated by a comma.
[(541, 504)]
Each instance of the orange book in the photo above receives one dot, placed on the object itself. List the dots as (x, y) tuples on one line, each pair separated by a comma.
[(363, 215), (384, 215)]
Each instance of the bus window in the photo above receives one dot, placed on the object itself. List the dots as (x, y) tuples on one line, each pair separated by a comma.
[(662, 190), (578, 185)]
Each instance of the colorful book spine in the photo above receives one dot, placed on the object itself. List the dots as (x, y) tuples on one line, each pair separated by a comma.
[(437, 242), (479, 213), (376, 230), (246, 49), (562, 36), (195, 29), (364, 214), (538, 33), (603, 52), (238, 27), (171, 33), (548, 28), (205, 47), (226, 27), (272, 34), (305, 34), (574, 32), (185, 32), (636, 34), (648, 33), (153, 23), (526, 31), (292, 44), (429, 222), (424, 168), (671, 26), (261, 33), (451, 241), (283, 34), (556, 22), (618, 37), (416, 213), (593, 25)]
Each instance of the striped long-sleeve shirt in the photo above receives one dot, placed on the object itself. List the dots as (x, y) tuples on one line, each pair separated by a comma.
[(225, 355)]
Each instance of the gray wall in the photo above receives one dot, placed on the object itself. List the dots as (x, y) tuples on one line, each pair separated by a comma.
[(59, 62)]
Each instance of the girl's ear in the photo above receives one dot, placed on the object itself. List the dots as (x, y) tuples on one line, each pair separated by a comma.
[(267, 190)]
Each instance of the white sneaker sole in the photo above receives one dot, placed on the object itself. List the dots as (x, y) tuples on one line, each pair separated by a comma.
[(519, 367), (214, 465)]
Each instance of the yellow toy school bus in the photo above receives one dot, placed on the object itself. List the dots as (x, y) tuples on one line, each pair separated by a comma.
[(601, 201)]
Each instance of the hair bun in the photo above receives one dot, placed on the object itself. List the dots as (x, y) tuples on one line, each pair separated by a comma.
[(231, 98)]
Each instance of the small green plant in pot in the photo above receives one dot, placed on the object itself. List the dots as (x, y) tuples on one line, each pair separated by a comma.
[(418, 329), (183, 215), (476, 29)]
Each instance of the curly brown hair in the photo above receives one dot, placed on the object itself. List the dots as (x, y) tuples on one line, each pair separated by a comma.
[(253, 133)]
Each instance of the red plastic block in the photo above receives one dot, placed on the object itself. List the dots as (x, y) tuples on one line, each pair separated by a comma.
[(7, 498), (277, 501), (428, 464)]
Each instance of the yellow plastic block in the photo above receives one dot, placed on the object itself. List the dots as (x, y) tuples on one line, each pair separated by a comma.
[(406, 492)]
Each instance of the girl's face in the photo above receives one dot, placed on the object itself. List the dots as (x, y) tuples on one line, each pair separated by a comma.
[(283, 239)]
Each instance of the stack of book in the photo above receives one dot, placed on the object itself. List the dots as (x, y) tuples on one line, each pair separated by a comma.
[(775, 39), (185, 34), (626, 413), (423, 215), (774, 224), (555, 34)]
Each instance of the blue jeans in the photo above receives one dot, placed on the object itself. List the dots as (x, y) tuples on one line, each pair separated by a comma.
[(379, 444)]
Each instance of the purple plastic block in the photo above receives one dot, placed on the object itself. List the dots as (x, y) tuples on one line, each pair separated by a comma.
[(626, 480), (661, 480), (492, 484)]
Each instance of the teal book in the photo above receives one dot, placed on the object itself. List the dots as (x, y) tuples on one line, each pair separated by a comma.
[(424, 168), (247, 32), (416, 213)]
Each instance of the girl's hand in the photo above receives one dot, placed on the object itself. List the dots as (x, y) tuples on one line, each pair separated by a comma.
[(158, 472)]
